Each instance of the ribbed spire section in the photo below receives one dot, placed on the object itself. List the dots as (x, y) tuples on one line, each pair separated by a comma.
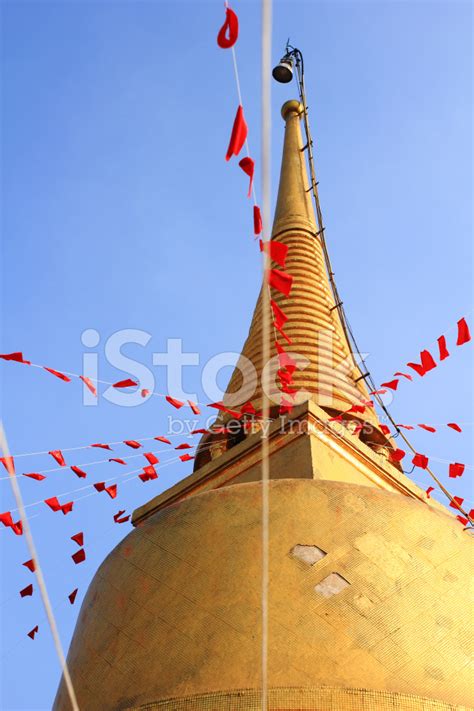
[(327, 372)]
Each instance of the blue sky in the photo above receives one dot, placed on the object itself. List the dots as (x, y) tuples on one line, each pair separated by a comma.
[(119, 211)]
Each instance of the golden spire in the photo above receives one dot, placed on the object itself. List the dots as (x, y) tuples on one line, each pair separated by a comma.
[(327, 372)]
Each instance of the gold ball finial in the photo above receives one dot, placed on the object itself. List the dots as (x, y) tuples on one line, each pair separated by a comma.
[(291, 107)]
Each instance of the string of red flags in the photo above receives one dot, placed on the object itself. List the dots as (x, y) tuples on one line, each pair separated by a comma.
[(427, 362)]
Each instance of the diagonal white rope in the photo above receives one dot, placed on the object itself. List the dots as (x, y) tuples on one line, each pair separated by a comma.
[(39, 576), (266, 219)]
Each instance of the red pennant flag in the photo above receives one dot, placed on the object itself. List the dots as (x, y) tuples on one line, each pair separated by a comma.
[(396, 455), (284, 335), (132, 443), (284, 359), (257, 220), (454, 426), (220, 406), (99, 445), (384, 429), (6, 519), (17, 528), (281, 281), (392, 384), (463, 520), (118, 460), (429, 490), (420, 460), (194, 407), (59, 375), (37, 477), (427, 364), (238, 135), (58, 456), (72, 596), (79, 556), (185, 445), (9, 464), (89, 384), (381, 392), (443, 351), (144, 392), (457, 502), (427, 428), (151, 458), (27, 592), (149, 473), (285, 407), (120, 518), (403, 375), (111, 490), (163, 439), (17, 357), (199, 431), (248, 409), (456, 469), (405, 427), (67, 508), (463, 333), (79, 472), (30, 564), (229, 31), (357, 408), (78, 538), (279, 318), (277, 251), (338, 418), (32, 632), (186, 457), (172, 401), (127, 383), (248, 166), (53, 503)]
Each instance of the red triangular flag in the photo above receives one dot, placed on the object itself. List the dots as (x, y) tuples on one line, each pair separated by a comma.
[(59, 375), (384, 429), (405, 427), (277, 251), (78, 538), (392, 384), (186, 457), (99, 445), (443, 351), (279, 318), (185, 445), (99, 486), (194, 407), (111, 490), (67, 508), (79, 472), (427, 428), (396, 455), (88, 382), (429, 490), (30, 564), (257, 220), (118, 460), (238, 135), (454, 426), (119, 518), (199, 431), (27, 592), (127, 383), (281, 281), (457, 502), (229, 31), (132, 443), (53, 503), (403, 375), (17, 357), (456, 469), (163, 439), (32, 632), (420, 460), (151, 457), (248, 166), (172, 401), (9, 464), (463, 333), (144, 392), (79, 556), (427, 361), (72, 596), (58, 456)]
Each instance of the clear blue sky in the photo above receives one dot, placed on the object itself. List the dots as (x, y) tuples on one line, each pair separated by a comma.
[(119, 211)]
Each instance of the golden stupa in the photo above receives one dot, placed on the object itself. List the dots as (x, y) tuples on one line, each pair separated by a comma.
[(368, 596)]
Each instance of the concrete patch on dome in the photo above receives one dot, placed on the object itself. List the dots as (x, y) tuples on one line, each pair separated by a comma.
[(307, 554), (331, 585)]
